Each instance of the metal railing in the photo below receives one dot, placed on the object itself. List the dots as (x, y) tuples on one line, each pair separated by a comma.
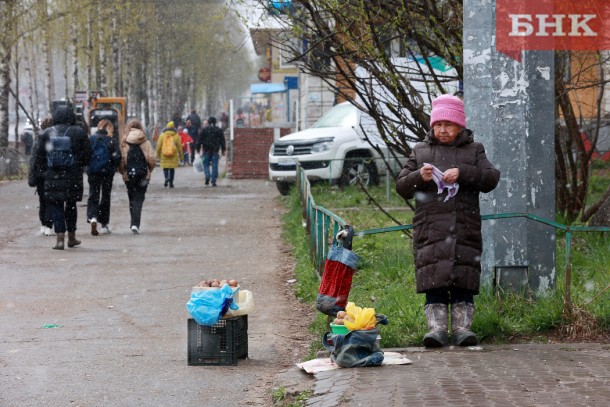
[(320, 221)]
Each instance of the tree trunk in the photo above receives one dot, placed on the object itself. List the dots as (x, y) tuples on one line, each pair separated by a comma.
[(66, 70), (145, 100), (116, 59), (602, 215), (6, 18), (47, 61), (89, 51), (571, 158), (102, 55), (74, 40), (32, 77), (16, 94)]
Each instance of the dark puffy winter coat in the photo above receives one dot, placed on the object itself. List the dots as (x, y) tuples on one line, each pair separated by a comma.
[(447, 242), (36, 169), (65, 184), (212, 139), (195, 120)]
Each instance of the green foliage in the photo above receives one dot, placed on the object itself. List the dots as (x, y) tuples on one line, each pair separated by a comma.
[(385, 279), (282, 398), (599, 182)]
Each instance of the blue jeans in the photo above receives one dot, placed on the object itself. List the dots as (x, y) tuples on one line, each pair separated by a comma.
[(169, 174), (211, 158), (64, 216)]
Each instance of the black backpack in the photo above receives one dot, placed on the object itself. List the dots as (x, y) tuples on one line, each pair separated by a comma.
[(136, 165), (59, 150)]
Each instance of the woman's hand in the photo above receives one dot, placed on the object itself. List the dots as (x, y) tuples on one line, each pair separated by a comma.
[(426, 172), (451, 175)]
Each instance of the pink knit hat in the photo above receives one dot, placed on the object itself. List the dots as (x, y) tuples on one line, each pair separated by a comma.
[(449, 108)]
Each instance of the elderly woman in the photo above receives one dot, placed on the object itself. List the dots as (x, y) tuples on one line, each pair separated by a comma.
[(445, 173)]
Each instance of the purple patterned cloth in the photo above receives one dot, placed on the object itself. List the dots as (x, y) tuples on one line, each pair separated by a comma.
[(437, 177)]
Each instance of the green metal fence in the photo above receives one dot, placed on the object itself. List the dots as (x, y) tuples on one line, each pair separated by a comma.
[(322, 225)]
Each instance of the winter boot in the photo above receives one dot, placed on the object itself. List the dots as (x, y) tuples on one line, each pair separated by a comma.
[(436, 315), (59, 245), (72, 239), (94, 231), (461, 320)]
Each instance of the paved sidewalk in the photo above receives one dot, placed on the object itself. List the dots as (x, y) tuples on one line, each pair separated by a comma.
[(499, 375), (105, 324)]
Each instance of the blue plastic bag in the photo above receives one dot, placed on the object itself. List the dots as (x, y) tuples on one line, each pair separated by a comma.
[(208, 306)]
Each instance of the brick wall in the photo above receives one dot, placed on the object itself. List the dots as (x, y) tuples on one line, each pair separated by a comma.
[(251, 151)]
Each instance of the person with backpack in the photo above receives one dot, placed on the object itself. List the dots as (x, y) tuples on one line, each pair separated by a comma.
[(138, 160), (65, 150), (36, 180), (104, 162), (169, 149), (212, 140)]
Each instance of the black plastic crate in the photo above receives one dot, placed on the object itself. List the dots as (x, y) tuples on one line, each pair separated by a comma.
[(220, 344)]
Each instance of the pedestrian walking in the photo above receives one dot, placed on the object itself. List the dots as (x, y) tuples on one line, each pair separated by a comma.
[(138, 160), (102, 167), (169, 149), (446, 173), (195, 120), (36, 173), (65, 149), (193, 132), (187, 143), (224, 121), (27, 138), (211, 142)]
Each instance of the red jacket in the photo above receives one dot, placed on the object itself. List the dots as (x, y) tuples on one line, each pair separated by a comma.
[(186, 139)]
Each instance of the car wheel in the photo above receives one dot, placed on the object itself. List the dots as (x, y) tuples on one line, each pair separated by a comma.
[(358, 169), (283, 187)]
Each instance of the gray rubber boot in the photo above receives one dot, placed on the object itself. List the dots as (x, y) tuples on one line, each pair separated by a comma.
[(59, 245), (437, 317), (72, 239), (462, 314)]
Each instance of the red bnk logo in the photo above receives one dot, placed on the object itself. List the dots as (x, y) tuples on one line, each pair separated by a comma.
[(523, 25)]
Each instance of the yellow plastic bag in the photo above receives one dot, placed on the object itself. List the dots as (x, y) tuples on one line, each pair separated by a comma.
[(359, 318), (245, 301)]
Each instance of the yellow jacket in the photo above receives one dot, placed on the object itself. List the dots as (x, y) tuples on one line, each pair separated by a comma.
[(173, 161)]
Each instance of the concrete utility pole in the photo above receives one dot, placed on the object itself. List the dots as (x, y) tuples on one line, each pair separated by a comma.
[(510, 107)]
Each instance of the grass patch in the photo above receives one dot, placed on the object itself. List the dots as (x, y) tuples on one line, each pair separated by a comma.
[(282, 398), (385, 279)]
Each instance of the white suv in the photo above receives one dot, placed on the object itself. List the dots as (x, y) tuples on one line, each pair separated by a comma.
[(332, 149)]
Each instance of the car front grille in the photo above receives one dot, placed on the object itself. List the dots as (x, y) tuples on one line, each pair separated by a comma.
[(279, 149)]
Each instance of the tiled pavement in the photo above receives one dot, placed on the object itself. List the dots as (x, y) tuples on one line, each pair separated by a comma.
[(501, 375)]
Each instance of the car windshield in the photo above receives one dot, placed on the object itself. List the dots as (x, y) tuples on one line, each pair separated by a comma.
[(344, 115)]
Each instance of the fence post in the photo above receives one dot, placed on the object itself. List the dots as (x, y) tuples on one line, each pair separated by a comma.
[(568, 295)]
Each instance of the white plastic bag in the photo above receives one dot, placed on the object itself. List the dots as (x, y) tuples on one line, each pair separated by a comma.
[(245, 301), (197, 163)]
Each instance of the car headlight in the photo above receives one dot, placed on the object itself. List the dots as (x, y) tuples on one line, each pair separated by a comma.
[(322, 145)]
